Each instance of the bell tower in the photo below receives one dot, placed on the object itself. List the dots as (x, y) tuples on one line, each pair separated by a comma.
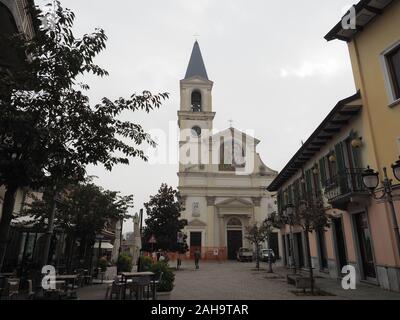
[(195, 115)]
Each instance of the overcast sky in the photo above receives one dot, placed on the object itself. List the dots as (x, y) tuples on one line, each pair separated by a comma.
[(272, 69)]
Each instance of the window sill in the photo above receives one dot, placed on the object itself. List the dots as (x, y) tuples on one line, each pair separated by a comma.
[(394, 103)]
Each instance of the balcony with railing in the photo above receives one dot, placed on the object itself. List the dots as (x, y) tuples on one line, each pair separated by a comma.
[(346, 187)]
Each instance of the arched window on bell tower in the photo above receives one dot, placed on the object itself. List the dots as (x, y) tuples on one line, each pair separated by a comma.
[(196, 101)]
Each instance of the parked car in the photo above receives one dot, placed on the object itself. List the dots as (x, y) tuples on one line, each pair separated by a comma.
[(267, 254), (245, 254)]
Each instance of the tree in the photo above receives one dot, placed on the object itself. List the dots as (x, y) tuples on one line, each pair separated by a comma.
[(82, 212), (257, 234), (49, 131), (270, 224), (309, 213), (163, 222)]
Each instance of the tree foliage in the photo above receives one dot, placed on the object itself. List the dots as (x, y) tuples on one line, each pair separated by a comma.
[(256, 234), (82, 209), (164, 211), (49, 130)]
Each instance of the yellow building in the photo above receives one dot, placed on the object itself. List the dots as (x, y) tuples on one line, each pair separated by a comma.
[(362, 130)]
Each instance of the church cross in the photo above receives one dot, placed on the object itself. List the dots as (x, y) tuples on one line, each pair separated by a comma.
[(230, 123)]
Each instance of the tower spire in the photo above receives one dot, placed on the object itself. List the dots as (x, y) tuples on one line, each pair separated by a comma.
[(196, 65)]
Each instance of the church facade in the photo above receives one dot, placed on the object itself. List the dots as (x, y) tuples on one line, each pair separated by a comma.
[(222, 179)]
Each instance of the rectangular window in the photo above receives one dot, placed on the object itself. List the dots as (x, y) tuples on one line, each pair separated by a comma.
[(393, 63), (322, 171), (316, 185)]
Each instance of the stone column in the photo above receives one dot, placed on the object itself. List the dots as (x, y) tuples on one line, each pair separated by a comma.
[(257, 209), (221, 230), (211, 241)]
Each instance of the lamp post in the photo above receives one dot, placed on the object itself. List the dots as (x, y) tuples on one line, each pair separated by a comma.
[(289, 213), (371, 181)]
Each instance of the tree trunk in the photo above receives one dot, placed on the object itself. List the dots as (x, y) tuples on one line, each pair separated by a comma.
[(8, 208), (71, 252), (309, 262), (257, 257), (49, 232)]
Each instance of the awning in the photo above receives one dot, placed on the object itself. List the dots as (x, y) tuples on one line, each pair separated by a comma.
[(104, 245)]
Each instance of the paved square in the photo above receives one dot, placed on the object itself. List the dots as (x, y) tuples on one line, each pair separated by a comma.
[(234, 280)]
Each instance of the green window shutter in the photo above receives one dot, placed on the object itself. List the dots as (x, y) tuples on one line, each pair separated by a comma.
[(284, 197), (356, 157), (291, 194), (279, 200), (322, 171), (341, 168), (309, 183), (339, 158), (296, 192)]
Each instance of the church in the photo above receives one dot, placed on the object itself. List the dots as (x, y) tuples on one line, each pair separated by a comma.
[(222, 179)]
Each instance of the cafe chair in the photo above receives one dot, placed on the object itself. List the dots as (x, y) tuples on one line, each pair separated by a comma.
[(140, 285), (154, 283), (13, 288), (115, 289), (31, 293)]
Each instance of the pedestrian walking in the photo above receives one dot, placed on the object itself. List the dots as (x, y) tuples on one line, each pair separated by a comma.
[(197, 256)]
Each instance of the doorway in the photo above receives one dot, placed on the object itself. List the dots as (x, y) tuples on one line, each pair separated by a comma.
[(340, 243), (300, 251), (274, 244), (235, 242), (323, 257), (195, 242), (365, 245)]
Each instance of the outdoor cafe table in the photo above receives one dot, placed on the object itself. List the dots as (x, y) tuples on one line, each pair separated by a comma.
[(131, 275), (7, 275), (69, 279)]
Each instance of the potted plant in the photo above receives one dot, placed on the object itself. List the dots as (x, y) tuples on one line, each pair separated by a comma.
[(103, 264), (166, 285), (124, 263)]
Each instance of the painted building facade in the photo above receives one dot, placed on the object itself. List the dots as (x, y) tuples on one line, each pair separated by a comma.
[(361, 131)]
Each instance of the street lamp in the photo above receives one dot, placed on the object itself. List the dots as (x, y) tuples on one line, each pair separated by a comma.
[(396, 169), (289, 213), (371, 181)]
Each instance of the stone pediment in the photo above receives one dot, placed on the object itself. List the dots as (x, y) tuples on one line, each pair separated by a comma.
[(235, 202), (196, 223), (236, 134)]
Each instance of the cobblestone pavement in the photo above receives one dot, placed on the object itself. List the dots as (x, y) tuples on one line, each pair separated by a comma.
[(240, 281), (235, 280)]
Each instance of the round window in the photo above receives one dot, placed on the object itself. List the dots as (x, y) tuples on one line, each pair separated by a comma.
[(196, 131)]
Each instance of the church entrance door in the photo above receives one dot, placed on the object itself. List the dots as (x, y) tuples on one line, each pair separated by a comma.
[(234, 237), (235, 242), (195, 242)]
